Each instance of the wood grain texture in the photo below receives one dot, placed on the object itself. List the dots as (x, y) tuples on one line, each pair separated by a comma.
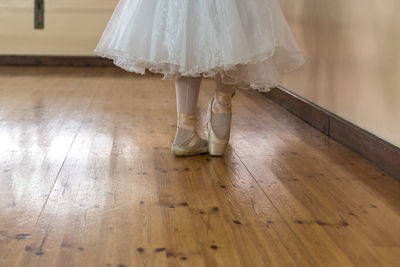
[(88, 179)]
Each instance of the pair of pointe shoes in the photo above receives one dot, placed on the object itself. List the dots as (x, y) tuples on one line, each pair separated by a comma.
[(218, 137)]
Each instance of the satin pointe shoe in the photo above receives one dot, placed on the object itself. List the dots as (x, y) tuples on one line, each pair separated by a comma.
[(191, 144), (219, 122)]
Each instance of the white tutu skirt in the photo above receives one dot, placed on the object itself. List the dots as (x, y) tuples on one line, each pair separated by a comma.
[(248, 41)]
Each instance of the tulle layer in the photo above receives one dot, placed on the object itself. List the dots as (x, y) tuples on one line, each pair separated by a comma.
[(248, 41)]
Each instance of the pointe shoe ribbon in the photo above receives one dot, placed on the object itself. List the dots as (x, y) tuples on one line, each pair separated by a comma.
[(187, 122), (219, 107), (192, 144)]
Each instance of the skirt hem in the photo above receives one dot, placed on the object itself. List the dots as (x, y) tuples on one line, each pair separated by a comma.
[(173, 71)]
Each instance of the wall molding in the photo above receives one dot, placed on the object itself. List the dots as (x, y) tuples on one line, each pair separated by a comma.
[(381, 153), (72, 61)]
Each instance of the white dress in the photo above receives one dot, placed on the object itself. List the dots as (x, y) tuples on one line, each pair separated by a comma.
[(249, 41)]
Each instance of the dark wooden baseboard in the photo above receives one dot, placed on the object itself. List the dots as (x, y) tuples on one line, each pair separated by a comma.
[(379, 152), (73, 61)]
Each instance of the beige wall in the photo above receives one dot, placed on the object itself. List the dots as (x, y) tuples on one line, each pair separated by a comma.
[(351, 48), (72, 27)]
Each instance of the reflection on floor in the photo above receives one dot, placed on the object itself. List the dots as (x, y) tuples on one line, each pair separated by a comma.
[(87, 179)]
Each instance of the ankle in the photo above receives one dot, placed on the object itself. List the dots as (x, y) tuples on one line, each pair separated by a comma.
[(224, 98), (221, 104), (186, 121)]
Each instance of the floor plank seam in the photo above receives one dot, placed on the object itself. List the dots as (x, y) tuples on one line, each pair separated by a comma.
[(66, 156)]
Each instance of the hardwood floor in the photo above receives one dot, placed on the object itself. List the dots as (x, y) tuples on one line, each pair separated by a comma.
[(88, 179)]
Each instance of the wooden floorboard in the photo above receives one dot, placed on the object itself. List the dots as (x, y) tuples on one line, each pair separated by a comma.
[(88, 179)]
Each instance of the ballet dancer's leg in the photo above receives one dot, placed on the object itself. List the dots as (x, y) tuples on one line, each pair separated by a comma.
[(222, 87), (222, 122), (187, 93), (187, 142)]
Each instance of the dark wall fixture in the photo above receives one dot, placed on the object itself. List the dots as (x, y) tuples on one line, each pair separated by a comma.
[(39, 14)]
